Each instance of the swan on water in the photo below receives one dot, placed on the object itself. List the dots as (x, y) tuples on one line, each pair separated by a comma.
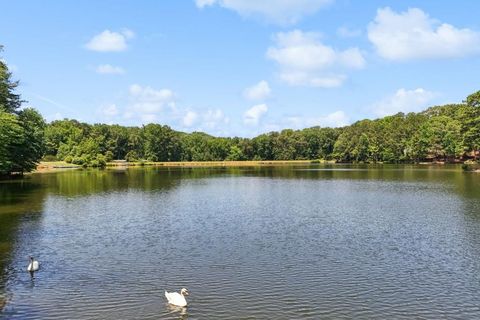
[(33, 265), (177, 299)]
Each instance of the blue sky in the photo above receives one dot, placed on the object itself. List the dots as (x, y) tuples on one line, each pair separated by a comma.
[(240, 67)]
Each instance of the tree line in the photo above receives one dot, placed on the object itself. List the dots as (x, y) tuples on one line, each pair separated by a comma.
[(21, 130), (443, 133), (448, 133)]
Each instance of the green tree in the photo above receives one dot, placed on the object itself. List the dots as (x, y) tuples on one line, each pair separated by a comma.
[(235, 154), (9, 100), (11, 137), (32, 148), (473, 100), (161, 143)]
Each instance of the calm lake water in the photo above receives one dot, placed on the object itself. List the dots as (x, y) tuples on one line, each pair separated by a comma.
[(311, 242)]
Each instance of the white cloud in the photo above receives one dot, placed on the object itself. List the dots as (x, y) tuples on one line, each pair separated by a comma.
[(345, 32), (414, 35), (149, 104), (110, 41), (334, 119), (148, 117), (147, 100), (307, 79), (109, 110), (213, 118), (253, 115), (204, 3), (403, 101), (260, 91), (305, 61), (53, 117), (189, 119), (109, 69), (276, 11)]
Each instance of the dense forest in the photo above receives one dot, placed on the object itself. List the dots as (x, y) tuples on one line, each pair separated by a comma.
[(442, 133)]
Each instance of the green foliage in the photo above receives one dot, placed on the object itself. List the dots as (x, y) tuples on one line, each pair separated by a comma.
[(445, 132), (439, 133), (49, 158), (161, 143), (11, 137), (131, 156), (79, 160), (473, 100), (109, 156), (9, 100), (98, 162), (101, 160), (22, 139), (235, 154), (21, 132)]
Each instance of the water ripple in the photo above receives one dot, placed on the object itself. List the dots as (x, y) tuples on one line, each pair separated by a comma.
[(251, 248)]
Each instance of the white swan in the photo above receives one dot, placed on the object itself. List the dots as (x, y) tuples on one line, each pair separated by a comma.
[(33, 265), (177, 299)]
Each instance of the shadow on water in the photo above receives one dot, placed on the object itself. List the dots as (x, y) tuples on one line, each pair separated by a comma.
[(180, 313), (254, 223), (87, 182), (466, 184), (21, 201)]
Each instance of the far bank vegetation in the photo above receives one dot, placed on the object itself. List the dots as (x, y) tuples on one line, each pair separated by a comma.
[(448, 133)]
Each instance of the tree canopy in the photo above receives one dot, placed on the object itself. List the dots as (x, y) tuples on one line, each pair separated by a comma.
[(444, 133), (447, 133), (21, 130)]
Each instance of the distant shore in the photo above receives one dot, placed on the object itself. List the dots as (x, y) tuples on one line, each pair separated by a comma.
[(64, 166), (61, 165)]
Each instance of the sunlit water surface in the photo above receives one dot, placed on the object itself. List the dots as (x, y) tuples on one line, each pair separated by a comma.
[(315, 242)]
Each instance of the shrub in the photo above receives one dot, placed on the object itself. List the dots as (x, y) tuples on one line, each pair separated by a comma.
[(94, 163), (79, 161), (109, 156), (101, 161), (68, 159), (131, 156), (49, 158)]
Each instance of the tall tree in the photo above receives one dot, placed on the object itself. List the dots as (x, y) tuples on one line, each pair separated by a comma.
[(21, 131), (473, 100), (11, 136), (31, 150), (9, 100)]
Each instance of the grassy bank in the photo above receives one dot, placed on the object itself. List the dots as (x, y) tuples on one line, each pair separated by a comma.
[(62, 165), (209, 163), (55, 166)]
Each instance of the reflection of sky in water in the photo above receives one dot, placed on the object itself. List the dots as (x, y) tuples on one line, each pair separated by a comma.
[(355, 243), (332, 169)]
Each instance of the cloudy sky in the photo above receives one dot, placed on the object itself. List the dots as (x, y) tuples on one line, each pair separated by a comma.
[(240, 67)]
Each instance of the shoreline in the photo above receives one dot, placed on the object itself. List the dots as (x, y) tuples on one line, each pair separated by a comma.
[(56, 166), (63, 166)]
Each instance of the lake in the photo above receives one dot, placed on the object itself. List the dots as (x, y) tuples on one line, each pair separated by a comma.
[(290, 242)]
